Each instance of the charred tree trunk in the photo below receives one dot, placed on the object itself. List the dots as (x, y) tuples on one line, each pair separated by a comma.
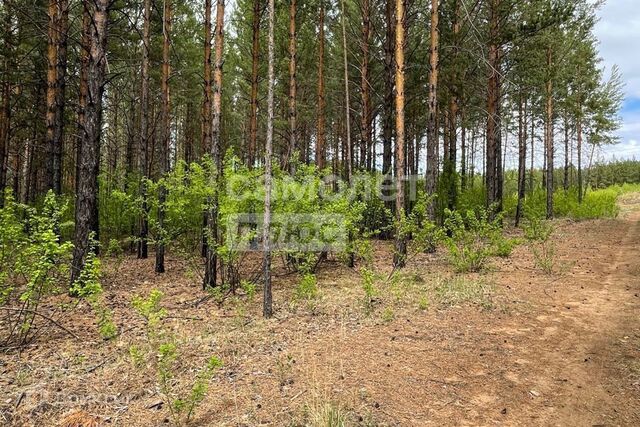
[(86, 210)]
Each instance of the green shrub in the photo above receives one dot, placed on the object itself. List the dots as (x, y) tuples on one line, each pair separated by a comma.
[(307, 289)]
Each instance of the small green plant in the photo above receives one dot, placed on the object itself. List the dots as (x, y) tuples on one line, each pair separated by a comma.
[(307, 289), (327, 415), (249, 288), (388, 315), (460, 290), (423, 303), (162, 352), (473, 237), (369, 288), (538, 234)]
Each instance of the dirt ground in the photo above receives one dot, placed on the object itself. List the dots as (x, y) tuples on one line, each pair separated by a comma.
[(538, 349)]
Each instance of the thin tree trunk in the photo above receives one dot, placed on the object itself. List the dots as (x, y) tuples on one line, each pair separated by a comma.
[(320, 137), (389, 77), (347, 107), (292, 83), (533, 134), (267, 309), (206, 98), (493, 176), (400, 253), (143, 160), (579, 144), (432, 120), (549, 139), (255, 56), (5, 117), (365, 142), (522, 156), (210, 277), (58, 12), (565, 182), (166, 132), (87, 198)]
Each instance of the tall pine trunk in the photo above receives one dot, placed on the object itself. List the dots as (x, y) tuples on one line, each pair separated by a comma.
[(210, 276), (389, 76), (494, 121), (267, 309), (206, 96), (432, 122), (58, 23), (253, 113), (163, 161), (548, 138), (522, 156), (365, 142), (400, 253), (86, 210), (143, 148), (292, 83), (320, 136), (347, 104)]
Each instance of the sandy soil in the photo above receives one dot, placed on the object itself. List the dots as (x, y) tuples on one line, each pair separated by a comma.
[(560, 349)]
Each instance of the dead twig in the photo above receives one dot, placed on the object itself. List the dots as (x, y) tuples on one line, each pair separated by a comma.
[(36, 313)]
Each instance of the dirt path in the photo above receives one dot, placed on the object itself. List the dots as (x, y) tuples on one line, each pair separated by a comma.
[(565, 351)]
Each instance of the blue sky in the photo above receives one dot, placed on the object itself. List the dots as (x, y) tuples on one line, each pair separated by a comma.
[(619, 34)]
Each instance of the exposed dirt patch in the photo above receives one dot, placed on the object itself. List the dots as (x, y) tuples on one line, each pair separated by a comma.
[(546, 350)]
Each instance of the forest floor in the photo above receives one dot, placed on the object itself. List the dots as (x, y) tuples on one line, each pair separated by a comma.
[(528, 348)]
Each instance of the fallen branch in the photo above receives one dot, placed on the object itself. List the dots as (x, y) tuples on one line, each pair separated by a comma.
[(35, 313)]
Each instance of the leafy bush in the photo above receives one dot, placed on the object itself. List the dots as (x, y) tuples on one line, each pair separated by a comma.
[(307, 289), (471, 238), (538, 234), (34, 262)]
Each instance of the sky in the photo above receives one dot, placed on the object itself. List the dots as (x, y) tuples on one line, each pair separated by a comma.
[(618, 31)]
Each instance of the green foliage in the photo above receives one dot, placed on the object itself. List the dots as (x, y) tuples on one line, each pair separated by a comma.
[(307, 288), (538, 234), (162, 353), (471, 238), (34, 262), (369, 287)]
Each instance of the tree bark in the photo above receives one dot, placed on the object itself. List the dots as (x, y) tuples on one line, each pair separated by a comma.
[(400, 253), (522, 156), (86, 209), (292, 83), (549, 138), (5, 109), (143, 160), (432, 125), (255, 57), (210, 277), (347, 107), (206, 99), (494, 144), (58, 23), (267, 309), (389, 77), (320, 137), (565, 181), (365, 142), (579, 149), (163, 162)]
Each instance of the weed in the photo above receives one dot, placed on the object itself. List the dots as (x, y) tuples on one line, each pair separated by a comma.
[(460, 290)]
